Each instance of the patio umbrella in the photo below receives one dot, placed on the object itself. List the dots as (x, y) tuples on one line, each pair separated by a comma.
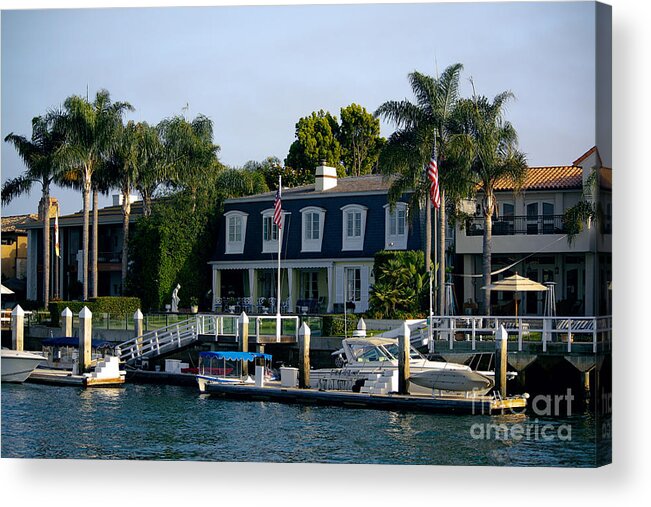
[(516, 283)]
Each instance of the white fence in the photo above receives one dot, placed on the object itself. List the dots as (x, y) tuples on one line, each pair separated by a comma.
[(529, 330)]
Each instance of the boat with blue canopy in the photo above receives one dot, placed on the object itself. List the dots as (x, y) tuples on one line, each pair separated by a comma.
[(227, 367)]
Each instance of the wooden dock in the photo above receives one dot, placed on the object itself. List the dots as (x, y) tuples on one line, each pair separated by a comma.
[(66, 378), (479, 405)]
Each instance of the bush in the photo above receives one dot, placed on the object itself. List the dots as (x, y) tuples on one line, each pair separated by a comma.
[(113, 305), (335, 325)]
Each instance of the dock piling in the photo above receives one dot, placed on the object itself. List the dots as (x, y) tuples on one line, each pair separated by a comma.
[(304, 356), (404, 343), (501, 344), (66, 322), (243, 324), (137, 323), (18, 328), (85, 335)]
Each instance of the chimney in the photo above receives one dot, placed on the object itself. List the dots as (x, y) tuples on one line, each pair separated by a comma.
[(118, 198), (326, 177)]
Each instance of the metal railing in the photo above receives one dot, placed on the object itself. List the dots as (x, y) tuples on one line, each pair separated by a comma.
[(537, 333), (160, 341), (520, 224)]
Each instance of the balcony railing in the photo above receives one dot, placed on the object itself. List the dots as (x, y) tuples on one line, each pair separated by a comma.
[(509, 226)]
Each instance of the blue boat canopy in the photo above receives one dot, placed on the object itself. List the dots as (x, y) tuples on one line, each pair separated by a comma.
[(72, 341), (235, 356)]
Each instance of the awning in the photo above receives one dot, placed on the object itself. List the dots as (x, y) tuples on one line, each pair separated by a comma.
[(235, 356)]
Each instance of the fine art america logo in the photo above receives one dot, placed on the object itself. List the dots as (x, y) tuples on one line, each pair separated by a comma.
[(542, 406)]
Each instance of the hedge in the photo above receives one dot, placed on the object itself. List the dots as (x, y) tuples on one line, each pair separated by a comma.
[(108, 304), (335, 325)]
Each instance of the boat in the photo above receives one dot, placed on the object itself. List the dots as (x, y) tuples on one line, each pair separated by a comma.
[(226, 367), (371, 365), (18, 365)]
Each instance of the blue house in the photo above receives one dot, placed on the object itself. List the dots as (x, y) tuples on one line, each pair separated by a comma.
[(330, 232)]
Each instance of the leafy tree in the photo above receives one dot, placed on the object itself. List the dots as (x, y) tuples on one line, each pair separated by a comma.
[(38, 156), (316, 140), (90, 138), (240, 182), (584, 211), (359, 136), (489, 146)]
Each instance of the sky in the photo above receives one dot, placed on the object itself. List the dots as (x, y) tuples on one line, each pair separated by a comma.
[(255, 70)]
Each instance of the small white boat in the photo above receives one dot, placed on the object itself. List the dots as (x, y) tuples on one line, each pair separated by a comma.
[(225, 367), (18, 365)]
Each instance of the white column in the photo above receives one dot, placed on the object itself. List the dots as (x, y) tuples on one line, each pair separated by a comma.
[(66, 321), (290, 289), (17, 328), (331, 288), (85, 334), (252, 284)]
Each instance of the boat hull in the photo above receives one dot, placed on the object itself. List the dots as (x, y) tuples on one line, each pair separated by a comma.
[(17, 366)]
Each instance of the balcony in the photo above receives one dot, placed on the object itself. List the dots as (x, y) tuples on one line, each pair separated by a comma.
[(516, 225)]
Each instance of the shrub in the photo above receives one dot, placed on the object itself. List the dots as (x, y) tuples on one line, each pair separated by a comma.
[(335, 325), (113, 305)]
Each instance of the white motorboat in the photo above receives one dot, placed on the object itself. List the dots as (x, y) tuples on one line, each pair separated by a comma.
[(17, 365), (371, 365)]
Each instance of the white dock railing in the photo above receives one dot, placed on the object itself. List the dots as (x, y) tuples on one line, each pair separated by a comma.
[(184, 333), (529, 330)]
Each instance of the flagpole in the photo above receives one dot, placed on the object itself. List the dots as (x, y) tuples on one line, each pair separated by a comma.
[(280, 232), (430, 315), (57, 256)]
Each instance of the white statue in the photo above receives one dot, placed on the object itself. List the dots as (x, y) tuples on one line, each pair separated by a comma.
[(175, 298)]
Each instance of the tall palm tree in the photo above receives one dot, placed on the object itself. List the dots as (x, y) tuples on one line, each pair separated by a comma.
[(190, 152), (38, 156), (421, 126), (89, 140), (153, 164), (489, 146)]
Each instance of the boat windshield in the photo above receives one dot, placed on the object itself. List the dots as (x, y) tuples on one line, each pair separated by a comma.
[(394, 351), (366, 353)]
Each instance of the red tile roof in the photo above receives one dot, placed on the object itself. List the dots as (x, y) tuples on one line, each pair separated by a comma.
[(547, 178)]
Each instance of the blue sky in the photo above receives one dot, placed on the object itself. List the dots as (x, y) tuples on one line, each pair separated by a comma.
[(256, 70)]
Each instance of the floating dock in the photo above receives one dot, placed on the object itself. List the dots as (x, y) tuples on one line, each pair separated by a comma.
[(66, 378), (480, 405)]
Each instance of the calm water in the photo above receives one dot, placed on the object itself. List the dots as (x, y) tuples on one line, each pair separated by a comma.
[(176, 423)]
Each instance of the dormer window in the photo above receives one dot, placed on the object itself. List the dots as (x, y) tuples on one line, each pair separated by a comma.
[(354, 227), (235, 231), (395, 228), (270, 231), (313, 219)]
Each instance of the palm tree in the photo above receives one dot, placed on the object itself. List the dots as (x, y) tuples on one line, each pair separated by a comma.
[(89, 140), (489, 146), (153, 165), (191, 154), (421, 127), (38, 156)]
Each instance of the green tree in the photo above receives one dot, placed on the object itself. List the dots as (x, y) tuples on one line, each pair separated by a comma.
[(38, 156), (153, 167), (421, 126), (90, 138), (316, 141), (192, 156), (359, 136), (489, 146)]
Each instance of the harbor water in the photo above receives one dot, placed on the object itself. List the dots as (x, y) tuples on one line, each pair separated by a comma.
[(157, 422)]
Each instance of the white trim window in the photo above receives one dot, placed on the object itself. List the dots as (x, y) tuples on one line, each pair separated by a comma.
[(395, 226), (235, 231), (353, 284), (313, 219), (270, 231), (353, 227)]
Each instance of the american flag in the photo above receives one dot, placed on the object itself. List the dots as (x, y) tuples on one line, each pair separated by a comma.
[(277, 209), (433, 176)]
